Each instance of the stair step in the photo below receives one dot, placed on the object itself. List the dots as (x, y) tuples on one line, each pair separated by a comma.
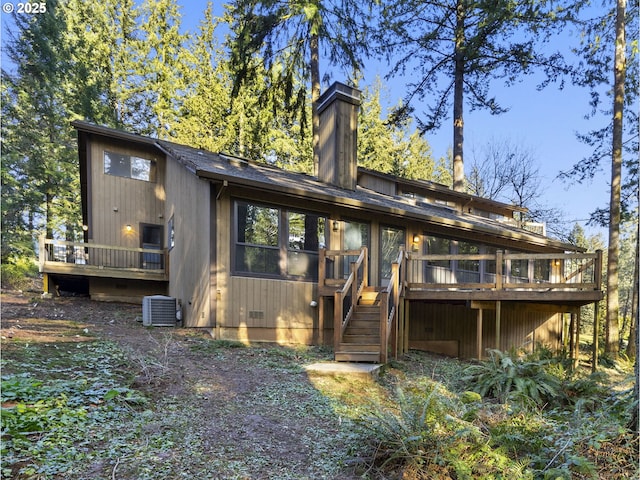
[(359, 347), (357, 357), (362, 331), (361, 338), (360, 320)]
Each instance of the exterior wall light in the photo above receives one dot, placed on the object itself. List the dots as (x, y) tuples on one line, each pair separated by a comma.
[(416, 238), (336, 225), (128, 228)]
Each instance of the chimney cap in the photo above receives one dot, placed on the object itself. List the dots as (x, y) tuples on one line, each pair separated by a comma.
[(339, 91)]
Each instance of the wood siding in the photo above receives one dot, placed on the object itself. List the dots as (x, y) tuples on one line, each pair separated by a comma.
[(271, 310), (338, 136), (519, 329), (377, 184), (188, 203), (116, 202)]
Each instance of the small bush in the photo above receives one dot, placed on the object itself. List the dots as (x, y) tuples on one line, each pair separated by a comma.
[(18, 273)]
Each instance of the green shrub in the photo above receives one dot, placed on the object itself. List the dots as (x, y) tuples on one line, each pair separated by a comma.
[(18, 273), (424, 436), (506, 377)]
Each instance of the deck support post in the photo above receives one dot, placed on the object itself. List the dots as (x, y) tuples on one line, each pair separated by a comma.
[(571, 334), (401, 345), (576, 360), (479, 334), (498, 308), (596, 330), (407, 315), (321, 320)]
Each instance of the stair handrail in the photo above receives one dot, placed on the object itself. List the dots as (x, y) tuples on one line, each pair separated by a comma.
[(353, 287), (389, 301)]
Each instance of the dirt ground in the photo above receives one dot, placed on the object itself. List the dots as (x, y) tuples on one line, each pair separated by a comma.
[(217, 391)]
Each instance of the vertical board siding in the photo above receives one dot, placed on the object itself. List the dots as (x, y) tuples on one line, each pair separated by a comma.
[(280, 305), (136, 201), (444, 322), (188, 202)]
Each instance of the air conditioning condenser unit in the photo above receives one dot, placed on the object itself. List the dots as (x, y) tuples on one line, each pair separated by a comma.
[(159, 311)]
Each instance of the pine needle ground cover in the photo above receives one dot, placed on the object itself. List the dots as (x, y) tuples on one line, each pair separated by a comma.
[(88, 392)]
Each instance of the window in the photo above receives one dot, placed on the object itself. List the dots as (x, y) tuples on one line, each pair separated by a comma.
[(171, 240), (356, 235), (257, 249), (306, 236), (128, 166), (391, 239), (276, 242)]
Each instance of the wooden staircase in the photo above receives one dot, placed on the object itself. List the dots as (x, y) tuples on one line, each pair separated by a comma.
[(361, 339)]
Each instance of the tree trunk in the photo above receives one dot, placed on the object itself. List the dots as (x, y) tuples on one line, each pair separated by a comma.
[(635, 420), (315, 95), (633, 329), (458, 96), (611, 341)]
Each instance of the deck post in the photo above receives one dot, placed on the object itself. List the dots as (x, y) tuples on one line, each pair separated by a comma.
[(577, 352), (596, 329), (407, 315), (498, 309), (321, 320), (401, 345), (571, 334), (499, 257), (479, 334), (598, 272)]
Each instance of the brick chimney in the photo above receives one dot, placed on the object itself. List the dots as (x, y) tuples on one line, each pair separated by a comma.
[(338, 108)]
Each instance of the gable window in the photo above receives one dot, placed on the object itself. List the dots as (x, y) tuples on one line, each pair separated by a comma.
[(272, 241), (129, 166)]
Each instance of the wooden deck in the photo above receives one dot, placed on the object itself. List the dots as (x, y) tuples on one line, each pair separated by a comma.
[(93, 260), (573, 279), (551, 282)]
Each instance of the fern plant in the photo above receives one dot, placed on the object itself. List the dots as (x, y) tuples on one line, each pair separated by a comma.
[(424, 436), (506, 377)]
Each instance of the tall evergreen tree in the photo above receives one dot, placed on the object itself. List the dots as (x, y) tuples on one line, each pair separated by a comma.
[(609, 65), (213, 119), (36, 136), (156, 55), (455, 49), (390, 147), (288, 37)]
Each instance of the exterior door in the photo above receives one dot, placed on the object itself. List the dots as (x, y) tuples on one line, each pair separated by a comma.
[(151, 238)]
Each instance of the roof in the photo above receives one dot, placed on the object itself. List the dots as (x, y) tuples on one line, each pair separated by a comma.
[(222, 168)]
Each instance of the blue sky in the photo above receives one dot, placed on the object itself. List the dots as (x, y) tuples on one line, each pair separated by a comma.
[(545, 122)]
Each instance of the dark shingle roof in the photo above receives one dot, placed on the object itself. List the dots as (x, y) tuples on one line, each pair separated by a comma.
[(236, 171)]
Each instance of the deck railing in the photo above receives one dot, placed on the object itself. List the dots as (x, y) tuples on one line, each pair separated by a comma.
[(505, 271), (389, 308), (346, 297), (60, 256)]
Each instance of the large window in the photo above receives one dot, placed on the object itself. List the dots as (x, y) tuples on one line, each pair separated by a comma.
[(272, 241), (129, 166)]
